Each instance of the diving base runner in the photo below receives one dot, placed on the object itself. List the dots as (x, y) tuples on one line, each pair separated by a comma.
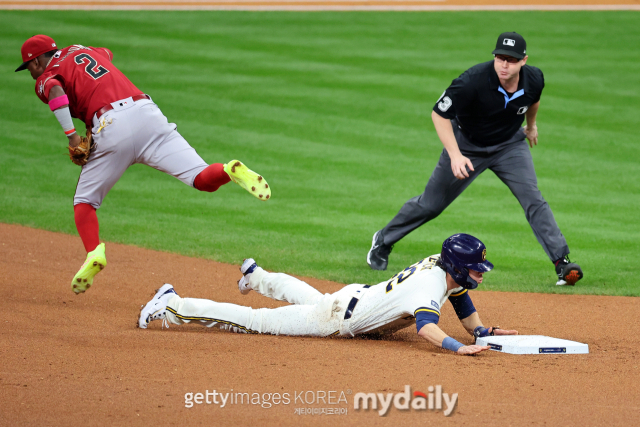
[(416, 295)]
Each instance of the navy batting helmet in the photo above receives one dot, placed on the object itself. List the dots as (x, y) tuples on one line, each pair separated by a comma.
[(461, 253)]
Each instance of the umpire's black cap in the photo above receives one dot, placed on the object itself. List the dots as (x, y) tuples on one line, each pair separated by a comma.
[(511, 44)]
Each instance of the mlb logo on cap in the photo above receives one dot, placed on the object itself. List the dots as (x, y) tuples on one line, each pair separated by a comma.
[(511, 44), (34, 47)]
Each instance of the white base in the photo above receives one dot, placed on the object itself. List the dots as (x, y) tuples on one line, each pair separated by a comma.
[(533, 344)]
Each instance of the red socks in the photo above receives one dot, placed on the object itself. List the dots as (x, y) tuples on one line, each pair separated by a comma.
[(211, 178), (87, 225)]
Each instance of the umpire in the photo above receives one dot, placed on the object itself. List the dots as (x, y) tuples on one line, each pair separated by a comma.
[(479, 121)]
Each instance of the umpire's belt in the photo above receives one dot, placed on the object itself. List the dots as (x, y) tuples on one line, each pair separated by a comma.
[(354, 302)]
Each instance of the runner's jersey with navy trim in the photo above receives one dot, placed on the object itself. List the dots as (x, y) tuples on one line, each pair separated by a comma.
[(418, 290)]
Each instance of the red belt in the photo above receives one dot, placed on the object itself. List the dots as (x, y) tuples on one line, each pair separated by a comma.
[(109, 107)]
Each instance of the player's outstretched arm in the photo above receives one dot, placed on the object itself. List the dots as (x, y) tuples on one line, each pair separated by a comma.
[(432, 333), (471, 322), (472, 349), (497, 331), (474, 326)]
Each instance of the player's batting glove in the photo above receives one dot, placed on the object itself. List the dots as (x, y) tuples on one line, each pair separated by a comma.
[(80, 154), (481, 331)]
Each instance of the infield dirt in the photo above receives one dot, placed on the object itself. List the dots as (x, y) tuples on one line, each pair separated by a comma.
[(80, 360)]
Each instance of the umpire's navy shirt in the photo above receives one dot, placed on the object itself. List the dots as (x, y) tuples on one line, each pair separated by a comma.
[(484, 111)]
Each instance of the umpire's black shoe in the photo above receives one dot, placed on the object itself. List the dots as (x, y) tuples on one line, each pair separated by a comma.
[(378, 256), (568, 272)]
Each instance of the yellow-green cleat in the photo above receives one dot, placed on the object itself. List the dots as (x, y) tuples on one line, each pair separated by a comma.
[(96, 261), (248, 179)]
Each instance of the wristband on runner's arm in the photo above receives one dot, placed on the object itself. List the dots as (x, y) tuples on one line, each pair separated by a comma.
[(450, 344)]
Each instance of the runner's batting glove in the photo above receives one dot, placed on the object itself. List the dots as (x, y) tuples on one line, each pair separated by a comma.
[(481, 331)]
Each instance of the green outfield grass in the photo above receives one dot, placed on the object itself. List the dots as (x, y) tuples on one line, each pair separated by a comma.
[(334, 110)]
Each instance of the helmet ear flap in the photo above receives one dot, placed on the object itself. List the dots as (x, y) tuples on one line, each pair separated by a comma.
[(470, 283), (464, 279)]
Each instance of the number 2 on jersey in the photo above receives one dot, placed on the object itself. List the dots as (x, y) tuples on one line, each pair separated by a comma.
[(92, 68), (407, 272)]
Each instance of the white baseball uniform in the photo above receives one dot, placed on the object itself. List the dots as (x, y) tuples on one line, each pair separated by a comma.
[(355, 309)]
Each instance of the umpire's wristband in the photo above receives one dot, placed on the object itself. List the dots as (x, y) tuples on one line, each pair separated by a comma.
[(451, 344)]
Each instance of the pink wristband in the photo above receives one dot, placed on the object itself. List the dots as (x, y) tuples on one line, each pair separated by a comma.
[(58, 102)]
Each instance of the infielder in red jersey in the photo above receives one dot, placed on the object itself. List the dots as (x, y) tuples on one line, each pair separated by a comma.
[(124, 127)]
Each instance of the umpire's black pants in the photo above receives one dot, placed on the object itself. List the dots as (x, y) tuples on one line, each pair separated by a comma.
[(511, 161)]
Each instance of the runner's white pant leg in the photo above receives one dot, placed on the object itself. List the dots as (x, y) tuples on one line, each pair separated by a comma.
[(295, 320), (209, 313), (283, 287)]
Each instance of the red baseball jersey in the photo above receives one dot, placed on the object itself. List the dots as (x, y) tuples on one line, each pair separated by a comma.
[(88, 78)]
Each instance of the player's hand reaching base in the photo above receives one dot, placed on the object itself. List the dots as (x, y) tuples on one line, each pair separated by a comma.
[(472, 349), (497, 331)]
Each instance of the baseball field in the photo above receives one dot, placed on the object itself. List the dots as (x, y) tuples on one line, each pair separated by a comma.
[(333, 108)]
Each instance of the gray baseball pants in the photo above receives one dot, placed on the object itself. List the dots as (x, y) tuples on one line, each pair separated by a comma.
[(511, 161), (134, 132)]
